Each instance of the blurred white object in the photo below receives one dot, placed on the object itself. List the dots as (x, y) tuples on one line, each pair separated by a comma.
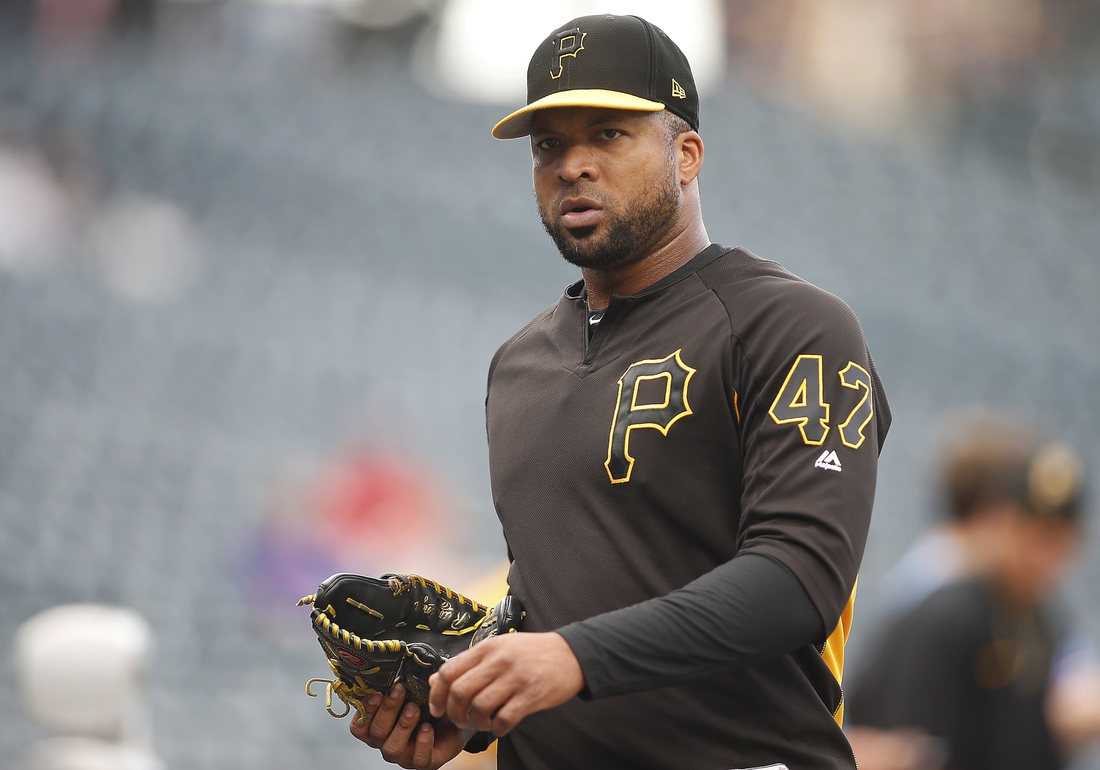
[(145, 249), (480, 49), (34, 213), (81, 670), (90, 754)]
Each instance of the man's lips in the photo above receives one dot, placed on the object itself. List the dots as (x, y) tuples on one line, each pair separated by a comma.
[(580, 212)]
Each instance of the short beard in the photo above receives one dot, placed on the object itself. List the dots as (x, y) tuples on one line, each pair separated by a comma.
[(626, 235)]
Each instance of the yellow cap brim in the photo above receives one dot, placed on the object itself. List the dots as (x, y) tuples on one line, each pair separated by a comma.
[(519, 122)]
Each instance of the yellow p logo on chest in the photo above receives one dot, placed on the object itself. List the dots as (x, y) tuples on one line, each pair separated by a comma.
[(652, 394)]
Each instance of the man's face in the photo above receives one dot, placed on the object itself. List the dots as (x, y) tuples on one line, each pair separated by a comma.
[(606, 182), (1041, 551), (1029, 553)]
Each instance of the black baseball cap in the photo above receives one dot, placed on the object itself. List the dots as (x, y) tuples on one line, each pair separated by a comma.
[(622, 62), (998, 460)]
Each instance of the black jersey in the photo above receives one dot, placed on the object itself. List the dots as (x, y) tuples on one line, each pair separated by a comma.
[(731, 408), (971, 670)]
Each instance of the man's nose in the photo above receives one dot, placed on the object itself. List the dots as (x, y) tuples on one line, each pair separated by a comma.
[(578, 162)]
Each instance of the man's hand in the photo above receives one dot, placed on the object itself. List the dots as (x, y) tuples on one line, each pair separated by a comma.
[(496, 683), (386, 726)]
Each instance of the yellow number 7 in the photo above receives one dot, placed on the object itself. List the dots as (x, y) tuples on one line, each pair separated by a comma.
[(851, 430)]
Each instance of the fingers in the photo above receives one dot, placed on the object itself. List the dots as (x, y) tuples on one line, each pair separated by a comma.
[(396, 748), (387, 715), (364, 718), (439, 690), (422, 751), (389, 724), (472, 683), (486, 703), (381, 716), (509, 715), (508, 678), (500, 706), (441, 681)]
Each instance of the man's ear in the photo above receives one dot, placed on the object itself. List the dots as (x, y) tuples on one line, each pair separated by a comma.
[(689, 154)]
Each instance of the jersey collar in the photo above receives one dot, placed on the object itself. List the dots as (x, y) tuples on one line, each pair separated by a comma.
[(577, 291)]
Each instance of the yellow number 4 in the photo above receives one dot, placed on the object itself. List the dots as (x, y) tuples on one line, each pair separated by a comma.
[(800, 401)]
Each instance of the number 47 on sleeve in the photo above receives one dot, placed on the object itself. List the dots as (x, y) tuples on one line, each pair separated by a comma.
[(801, 402)]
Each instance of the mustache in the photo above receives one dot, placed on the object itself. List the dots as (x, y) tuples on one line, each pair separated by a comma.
[(581, 191)]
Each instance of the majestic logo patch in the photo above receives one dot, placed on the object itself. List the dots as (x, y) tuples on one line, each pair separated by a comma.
[(568, 43), (652, 394), (829, 461), (678, 90)]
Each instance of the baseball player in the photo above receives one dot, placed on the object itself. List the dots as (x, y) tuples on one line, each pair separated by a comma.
[(683, 453)]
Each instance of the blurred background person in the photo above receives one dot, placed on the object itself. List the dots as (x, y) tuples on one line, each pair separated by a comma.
[(976, 670)]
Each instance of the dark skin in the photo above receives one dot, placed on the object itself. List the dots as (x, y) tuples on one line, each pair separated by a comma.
[(617, 155), (590, 166)]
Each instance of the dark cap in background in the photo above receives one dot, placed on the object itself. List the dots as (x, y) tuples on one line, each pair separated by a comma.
[(619, 62), (994, 459)]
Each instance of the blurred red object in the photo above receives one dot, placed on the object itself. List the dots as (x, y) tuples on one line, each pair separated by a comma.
[(376, 503), (69, 24)]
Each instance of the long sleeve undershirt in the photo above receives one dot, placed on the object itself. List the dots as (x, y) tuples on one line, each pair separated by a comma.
[(748, 610)]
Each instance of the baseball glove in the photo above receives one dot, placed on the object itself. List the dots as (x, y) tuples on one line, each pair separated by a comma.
[(377, 632)]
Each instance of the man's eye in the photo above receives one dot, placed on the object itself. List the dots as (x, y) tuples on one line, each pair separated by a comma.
[(546, 144), (611, 133)]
